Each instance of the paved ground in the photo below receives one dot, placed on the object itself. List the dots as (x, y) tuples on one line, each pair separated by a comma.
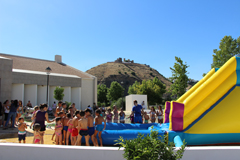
[(11, 135)]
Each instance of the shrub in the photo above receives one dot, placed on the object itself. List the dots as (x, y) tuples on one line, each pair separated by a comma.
[(125, 72), (150, 69), (118, 103), (150, 147), (133, 73), (119, 72)]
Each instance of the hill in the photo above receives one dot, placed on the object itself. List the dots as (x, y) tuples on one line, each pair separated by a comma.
[(126, 72)]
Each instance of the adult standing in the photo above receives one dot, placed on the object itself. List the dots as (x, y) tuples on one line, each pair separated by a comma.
[(54, 107), (94, 109), (19, 110), (6, 111), (1, 114), (115, 112), (137, 112), (41, 116), (143, 105), (12, 113)]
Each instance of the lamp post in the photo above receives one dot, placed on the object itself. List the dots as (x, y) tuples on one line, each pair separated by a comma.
[(122, 93), (48, 70)]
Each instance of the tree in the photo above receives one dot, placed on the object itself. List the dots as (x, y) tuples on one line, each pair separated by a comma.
[(179, 78), (58, 93), (102, 91), (228, 48), (115, 91), (154, 89)]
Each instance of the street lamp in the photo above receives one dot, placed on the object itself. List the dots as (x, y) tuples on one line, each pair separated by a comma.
[(122, 93), (48, 70)]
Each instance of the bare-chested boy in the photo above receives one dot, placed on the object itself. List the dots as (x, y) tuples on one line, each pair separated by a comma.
[(65, 128), (99, 127), (70, 110), (74, 129), (83, 129), (59, 108), (91, 129), (74, 108)]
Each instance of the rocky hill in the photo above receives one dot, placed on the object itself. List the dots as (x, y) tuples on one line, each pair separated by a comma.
[(127, 72)]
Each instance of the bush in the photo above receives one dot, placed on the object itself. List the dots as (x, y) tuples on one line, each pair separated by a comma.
[(150, 69), (119, 72), (118, 103), (150, 147), (125, 72), (133, 73)]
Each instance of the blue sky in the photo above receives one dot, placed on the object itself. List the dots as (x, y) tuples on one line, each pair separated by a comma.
[(91, 32)]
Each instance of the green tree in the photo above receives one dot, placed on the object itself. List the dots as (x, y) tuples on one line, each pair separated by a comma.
[(154, 89), (150, 147), (228, 48), (58, 93), (102, 91), (115, 91), (179, 78)]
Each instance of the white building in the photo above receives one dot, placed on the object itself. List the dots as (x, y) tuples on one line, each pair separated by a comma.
[(132, 97), (25, 79)]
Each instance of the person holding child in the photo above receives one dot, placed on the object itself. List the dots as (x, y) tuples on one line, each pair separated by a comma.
[(41, 116)]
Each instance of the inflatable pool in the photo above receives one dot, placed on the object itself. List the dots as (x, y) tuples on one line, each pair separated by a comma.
[(128, 131)]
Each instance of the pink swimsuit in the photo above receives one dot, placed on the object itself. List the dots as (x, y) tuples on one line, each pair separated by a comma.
[(70, 130)]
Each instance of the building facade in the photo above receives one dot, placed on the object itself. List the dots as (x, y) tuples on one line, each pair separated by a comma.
[(25, 79)]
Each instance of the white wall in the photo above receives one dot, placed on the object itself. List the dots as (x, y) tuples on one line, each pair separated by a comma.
[(67, 94), (42, 94), (76, 96), (132, 97), (18, 92), (87, 93), (30, 93), (51, 95), (12, 151)]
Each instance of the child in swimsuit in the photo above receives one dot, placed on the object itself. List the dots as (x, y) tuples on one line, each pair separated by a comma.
[(146, 117), (99, 127), (131, 117), (58, 131), (83, 129), (115, 111), (160, 115), (37, 134), (122, 116), (152, 115), (70, 126), (22, 130), (91, 128), (65, 120), (36, 108), (109, 116)]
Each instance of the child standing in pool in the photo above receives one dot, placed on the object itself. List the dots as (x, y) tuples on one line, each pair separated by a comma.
[(22, 130), (109, 116), (70, 126), (58, 131), (99, 127), (37, 134)]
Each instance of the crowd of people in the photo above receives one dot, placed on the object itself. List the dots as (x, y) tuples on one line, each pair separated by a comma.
[(72, 124)]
